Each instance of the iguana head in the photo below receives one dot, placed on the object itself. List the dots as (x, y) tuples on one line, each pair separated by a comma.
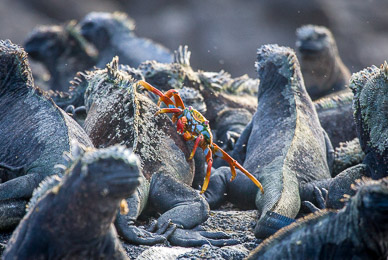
[(47, 43), (277, 66), (99, 27), (109, 172), (313, 40), (99, 174), (101, 82), (371, 201), (14, 66)]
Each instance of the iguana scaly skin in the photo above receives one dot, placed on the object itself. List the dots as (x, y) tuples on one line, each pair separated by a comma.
[(346, 155), (323, 70), (336, 116), (283, 145), (119, 114), (113, 34), (370, 89), (34, 132), (358, 231), (214, 87), (74, 219)]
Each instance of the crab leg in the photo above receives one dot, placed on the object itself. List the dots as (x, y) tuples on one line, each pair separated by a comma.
[(168, 110), (209, 160), (177, 98), (197, 141), (233, 163), (156, 91)]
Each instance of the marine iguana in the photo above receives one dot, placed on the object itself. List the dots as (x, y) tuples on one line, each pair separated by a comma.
[(346, 155), (284, 143), (358, 231), (34, 133), (322, 68), (74, 219), (370, 89), (119, 114), (329, 193), (62, 50), (335, 114), (370, 114), (112, 34)]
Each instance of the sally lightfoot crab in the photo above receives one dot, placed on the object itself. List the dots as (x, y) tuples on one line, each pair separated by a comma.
[(193, 125)]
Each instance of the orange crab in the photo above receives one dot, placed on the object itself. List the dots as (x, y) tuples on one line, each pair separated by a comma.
[(193, 125)]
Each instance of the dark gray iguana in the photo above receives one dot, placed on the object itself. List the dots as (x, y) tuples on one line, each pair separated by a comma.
[(34, 133), (370, 104), (370, 114), (336, 116), (74, 219), (358, 231), (322, 68), (112, 34), (119, 114), (283, 145), (63, 51)]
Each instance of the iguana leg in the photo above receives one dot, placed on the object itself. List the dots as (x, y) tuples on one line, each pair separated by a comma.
[(217, 187), (125, 224), (182, 205), (220, 184), (178, 202), (239, 151), (11, 212), (20, 187)]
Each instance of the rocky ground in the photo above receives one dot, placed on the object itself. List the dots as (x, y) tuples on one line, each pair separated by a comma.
[(238, 224)]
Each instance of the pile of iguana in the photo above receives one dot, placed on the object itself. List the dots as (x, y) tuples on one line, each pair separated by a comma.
[(34, 134)]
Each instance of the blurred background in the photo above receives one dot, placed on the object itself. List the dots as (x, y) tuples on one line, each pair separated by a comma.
[(222, 34)]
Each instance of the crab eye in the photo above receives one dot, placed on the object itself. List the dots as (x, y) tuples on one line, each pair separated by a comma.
[(206, 122), (190, 108)]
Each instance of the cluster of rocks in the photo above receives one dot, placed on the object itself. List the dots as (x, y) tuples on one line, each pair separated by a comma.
[(90, 172)]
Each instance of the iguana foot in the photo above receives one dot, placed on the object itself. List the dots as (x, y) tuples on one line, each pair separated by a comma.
[(191, 238), (11, 212), (320, 195), (140, 236)]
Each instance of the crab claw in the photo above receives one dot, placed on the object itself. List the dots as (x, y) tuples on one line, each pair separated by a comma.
[(180, 124), (156, 91)]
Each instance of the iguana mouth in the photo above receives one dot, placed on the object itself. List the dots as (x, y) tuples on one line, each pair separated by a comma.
[(122, 179), (309, 48), (122, 176)]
